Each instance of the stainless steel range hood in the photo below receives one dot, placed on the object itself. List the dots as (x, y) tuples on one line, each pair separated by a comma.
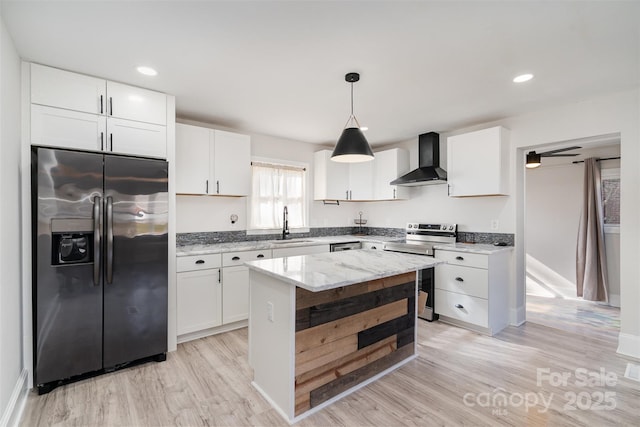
[(429, 171)]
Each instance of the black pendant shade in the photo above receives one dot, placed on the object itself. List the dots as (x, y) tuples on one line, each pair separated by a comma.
[(352, 147), (533, 160)]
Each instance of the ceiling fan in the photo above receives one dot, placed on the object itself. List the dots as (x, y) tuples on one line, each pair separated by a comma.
[(533, 158)]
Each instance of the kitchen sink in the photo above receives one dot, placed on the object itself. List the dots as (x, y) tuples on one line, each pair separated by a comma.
[(280, 242)]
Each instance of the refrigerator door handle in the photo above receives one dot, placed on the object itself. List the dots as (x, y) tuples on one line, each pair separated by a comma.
[(97, 237), (109, 221)]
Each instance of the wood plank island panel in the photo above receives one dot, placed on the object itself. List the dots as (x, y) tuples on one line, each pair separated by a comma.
[(347, 335)]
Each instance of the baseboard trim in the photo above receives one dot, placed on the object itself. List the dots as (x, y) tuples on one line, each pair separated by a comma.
[(13, 411), (614, 300), (518, 315), (629, 345), (212, 331)]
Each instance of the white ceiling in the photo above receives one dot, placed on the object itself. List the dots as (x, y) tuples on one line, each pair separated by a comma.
[(277, 68)]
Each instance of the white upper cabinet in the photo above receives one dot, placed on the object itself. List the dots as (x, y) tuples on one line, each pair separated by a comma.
[(192, 159), (66, 128), (231, 164), (136, 138), (134, 103), (71, 91), (331, 179), (389, 165), (364, 181), (72, 110), (213, 162), (361, 181), (478, 163)]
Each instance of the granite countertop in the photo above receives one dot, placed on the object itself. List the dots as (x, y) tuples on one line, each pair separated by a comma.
[(319, 272), (476, 248), (269, 244)]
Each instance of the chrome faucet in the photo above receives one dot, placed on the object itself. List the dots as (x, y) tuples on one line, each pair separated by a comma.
[(285, 223)]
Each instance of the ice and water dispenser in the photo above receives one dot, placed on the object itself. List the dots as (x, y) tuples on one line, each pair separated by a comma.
[(72, 241)]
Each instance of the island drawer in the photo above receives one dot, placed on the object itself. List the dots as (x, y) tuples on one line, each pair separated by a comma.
[(463, 258), (463, 280), (238, 258), (198, 262), (462, 307)]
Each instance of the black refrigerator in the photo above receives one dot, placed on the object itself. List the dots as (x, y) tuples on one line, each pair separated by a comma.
[(100, 259)]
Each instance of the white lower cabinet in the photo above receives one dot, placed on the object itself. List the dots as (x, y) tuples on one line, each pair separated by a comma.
[(213, 292), (235, 283), (199, 299), (235, 294), (471, 289)]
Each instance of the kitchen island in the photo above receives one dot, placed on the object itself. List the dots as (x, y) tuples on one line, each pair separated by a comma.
[(321, 326)]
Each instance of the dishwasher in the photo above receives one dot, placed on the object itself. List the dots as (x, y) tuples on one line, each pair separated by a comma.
[(346, 246)]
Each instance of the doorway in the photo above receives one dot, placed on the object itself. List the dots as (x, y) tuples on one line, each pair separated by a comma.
[(553, 201)]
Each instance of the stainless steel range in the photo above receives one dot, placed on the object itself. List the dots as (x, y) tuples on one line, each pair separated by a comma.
[(420, 239)]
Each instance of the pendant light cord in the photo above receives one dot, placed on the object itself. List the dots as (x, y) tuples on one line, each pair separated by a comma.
[(352, 116)]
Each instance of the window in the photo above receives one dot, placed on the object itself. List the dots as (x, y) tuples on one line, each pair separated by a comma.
[(275, 186), (610, 180)]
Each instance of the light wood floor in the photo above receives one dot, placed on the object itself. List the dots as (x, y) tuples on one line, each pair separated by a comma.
[(586, 318), (207, 383)]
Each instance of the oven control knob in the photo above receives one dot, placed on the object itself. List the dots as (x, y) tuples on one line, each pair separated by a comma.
[(444, 227), (451, 227), (410, 225)]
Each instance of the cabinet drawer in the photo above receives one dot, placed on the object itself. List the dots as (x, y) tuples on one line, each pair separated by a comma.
[(462, 307), (239, 258), (463, 258), (198, 262), (463, 280)]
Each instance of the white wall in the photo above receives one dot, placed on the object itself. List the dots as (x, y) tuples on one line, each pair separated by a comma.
[(612, 114), (12, 373), (553, 206), (211, 213)]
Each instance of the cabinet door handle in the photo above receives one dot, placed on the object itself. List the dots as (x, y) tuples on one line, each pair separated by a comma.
[(350, 195), (200, 261), (206, 191), (101, 141), (459, 258), (394, 193), (260, 256), (235, 258), (219, 276), (459, 279), (373, 247), (347, 195), (217, 187), (460, 306), (111, 141), (111, 105), (101, 108)]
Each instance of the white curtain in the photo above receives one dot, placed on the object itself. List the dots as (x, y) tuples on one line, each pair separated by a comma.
[(273, 188), (591, 262)]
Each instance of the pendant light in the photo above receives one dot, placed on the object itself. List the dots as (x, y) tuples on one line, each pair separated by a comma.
[(352, 147), (533, 160)]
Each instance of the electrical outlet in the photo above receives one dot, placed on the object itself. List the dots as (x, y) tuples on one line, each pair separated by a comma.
[(494, 224), (270, 311)]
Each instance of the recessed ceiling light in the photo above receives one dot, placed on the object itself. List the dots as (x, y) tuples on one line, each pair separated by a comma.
[(522, 78), (147, 71)]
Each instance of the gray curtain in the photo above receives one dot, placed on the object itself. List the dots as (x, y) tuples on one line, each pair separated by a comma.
[(591, 262)]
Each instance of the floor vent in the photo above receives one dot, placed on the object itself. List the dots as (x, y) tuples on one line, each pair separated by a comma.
[(632, 372)]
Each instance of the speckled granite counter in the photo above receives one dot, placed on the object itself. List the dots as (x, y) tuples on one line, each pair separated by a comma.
[(476, 248), (270, 244), (324, 271)]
